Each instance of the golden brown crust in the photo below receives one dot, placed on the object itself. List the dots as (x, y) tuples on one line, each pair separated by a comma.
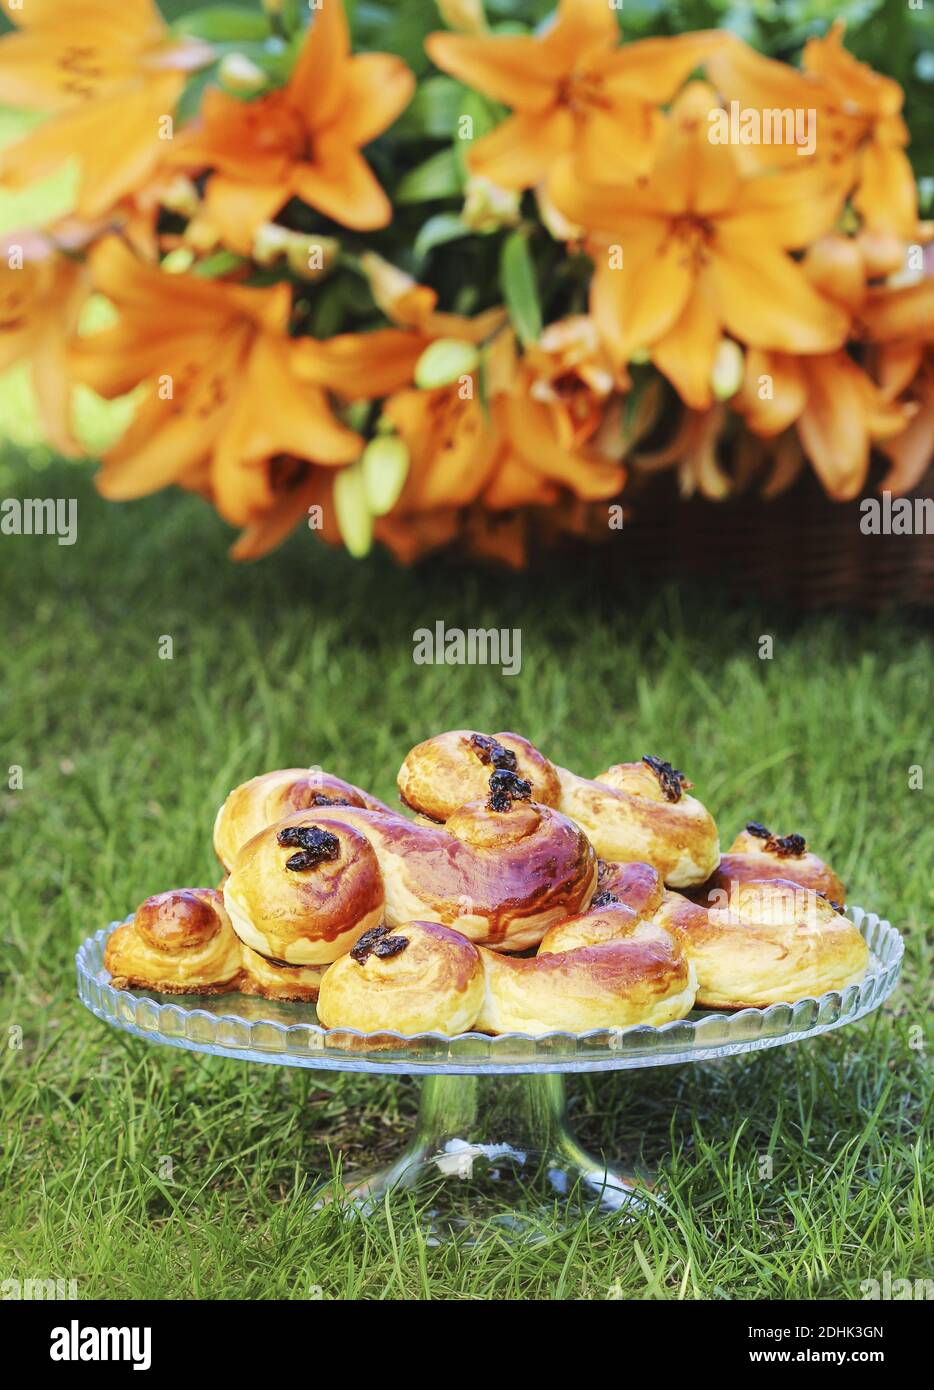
[(628, 818), (271, 980), (304, 916), (435, 983), (266, 799), (179, 942), (500, 878), (639, 886), (613, 985), (632, 812), (454, 768), (753, 856), (775, 942)]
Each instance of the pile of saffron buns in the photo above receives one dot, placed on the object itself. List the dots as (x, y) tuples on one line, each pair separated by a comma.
[(507, 894)]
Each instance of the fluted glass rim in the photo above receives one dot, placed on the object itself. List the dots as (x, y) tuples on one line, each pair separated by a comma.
[(300, 1043)]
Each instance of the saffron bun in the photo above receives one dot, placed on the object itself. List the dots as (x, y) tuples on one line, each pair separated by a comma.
[(301, 891), (758, 854), (419, 977), (179, 942), (644, 977), (500, 877), (452, 769), (632, 812), (775, 942), (266, 799), (272, 980)]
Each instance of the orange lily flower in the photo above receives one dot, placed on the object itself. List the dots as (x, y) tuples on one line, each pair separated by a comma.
[(703, 251), (526, 449), (572, 90), (109, 72), (901, 323), (837, 408), (221, 400), (303, 140), (40, 301), (860, 133)]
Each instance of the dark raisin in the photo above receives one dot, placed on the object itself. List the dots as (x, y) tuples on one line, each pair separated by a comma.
[(505, 788), (316, 845), (493, 753), (319, 799), (671, 781), (366, 943), (604, 899), (788, 846), (390, 946), (761, 832)]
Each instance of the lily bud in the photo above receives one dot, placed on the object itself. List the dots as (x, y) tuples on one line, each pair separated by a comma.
[(385, 464), (240, 76), (270, 243), (487, 207), (178, 261), (354, 518), (388, 284), (310, 257), (444, 361), (729, 365), (464, 15), (181, 196)]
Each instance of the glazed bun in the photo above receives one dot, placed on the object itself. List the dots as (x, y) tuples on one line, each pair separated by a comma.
[(500, 871), (302, 891), (632, 812), (179, 942), (775, 942), (449, 770), (419, 977), (758, 854), (640, 979), (264, 800), (642, 811)]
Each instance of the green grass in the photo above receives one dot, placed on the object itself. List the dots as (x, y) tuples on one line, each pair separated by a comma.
[(307, 658)]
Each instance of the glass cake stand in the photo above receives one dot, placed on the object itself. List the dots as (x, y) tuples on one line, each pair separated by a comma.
[(492, 1133)]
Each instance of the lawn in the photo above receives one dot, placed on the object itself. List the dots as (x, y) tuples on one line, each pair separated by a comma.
[(147, 1172)]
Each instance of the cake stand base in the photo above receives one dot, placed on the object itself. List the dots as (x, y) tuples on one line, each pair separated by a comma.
[(494, 1149)]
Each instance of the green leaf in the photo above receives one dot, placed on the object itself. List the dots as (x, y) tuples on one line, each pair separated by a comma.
[(444, 227), (223, 24), (221, 263), (439, 177), (520, 290)]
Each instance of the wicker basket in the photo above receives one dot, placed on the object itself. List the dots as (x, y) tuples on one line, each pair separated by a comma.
[(801, 547)]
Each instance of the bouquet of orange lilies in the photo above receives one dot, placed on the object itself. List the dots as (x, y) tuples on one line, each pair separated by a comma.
[(468, 303)]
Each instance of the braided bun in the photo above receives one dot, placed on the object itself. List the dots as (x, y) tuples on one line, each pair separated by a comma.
[(500, 877), (633, 811), (775, 942)]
